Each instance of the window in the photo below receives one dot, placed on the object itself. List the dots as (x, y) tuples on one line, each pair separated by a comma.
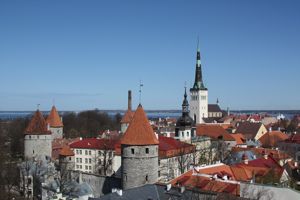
[(203, 97), (90, 160), (188, 134), (77, 159), (38, 137), (80, 160), (90, 167), (77, 151), (86, 152), (90, 152), (80, 166), (147, 150), (86, 167), (80, 152), (99, 153), (86, 160), (146, 178), (132, 151), (70, 158)]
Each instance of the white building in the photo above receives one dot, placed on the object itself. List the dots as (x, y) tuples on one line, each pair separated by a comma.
[(93, 155)]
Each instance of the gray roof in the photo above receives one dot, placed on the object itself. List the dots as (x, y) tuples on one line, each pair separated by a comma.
[(156, 192), (214, 108)]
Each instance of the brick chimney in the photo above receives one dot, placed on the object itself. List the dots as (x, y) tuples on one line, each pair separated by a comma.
[(129, 100)]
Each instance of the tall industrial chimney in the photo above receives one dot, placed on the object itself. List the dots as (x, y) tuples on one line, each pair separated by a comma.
[(129, 100)]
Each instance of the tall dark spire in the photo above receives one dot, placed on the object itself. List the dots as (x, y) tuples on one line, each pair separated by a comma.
[(185, 104), (198, 84)]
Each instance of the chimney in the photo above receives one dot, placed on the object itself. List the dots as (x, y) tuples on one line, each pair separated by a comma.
[(129, 100), (182, 189), (169, 186), (245, 159), (120, 192)]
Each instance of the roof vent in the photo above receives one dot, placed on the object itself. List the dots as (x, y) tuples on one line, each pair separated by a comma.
[(182, 189), (169, 186)]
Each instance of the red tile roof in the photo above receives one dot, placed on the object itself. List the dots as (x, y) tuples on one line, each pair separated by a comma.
[(139, 131), (271, 139), (259, 168), (196, 181), (127, 117), (219, 169), (239, 138), (66, 151), (59, 143), (213, 131), (53, 119), (94, 143), (276, 154), (294, 138), (170, 147), (37, 125)]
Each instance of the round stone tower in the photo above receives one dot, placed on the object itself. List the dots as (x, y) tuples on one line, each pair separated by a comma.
[(37, 138), (139, 150), (55, 124), (66, 162)]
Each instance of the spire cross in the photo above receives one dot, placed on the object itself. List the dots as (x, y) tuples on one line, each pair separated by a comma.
[(140, 91), (53, 102), (38, 106)]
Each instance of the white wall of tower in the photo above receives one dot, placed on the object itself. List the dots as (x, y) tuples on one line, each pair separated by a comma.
[(199, 105), (37, 145)]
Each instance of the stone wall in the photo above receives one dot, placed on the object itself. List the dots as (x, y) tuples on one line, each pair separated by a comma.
[(138, 166), (37, 145), (100, 185)]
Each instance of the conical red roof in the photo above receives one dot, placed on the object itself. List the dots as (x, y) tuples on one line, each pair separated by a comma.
[(37, 125), (53, 119), (66, 151), (139, 131), (127, 116)]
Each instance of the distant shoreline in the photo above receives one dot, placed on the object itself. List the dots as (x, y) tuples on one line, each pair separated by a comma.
[(10, 115)]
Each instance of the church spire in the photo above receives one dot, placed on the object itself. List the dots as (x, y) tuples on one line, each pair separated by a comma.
[(185, 104), (198, 84)]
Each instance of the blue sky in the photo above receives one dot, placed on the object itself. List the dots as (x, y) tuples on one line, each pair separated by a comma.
[(87, 54)]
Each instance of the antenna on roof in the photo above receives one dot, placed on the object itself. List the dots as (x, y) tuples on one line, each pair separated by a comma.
[(198, 42), (140, 91)]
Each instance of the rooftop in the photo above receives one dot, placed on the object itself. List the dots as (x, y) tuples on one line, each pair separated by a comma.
[(139, 131)]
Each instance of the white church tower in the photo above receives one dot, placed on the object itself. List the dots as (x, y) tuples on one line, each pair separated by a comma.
[(199, 95)]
